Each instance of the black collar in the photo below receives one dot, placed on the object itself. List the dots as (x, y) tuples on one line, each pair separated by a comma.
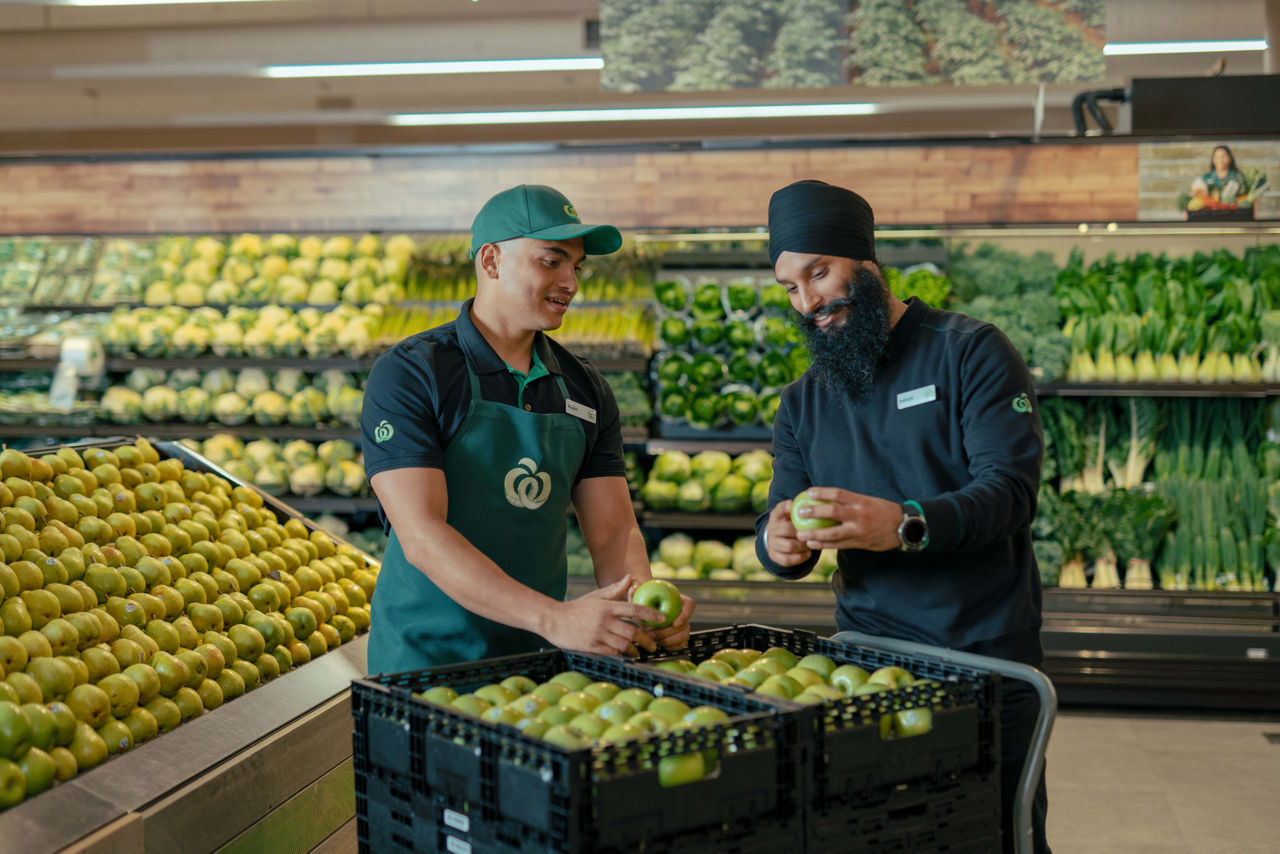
[(480, 352), (905, 329)]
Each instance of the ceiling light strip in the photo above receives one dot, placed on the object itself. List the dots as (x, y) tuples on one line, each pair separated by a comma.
[(637, 114), (480, 66), (1152, 48)]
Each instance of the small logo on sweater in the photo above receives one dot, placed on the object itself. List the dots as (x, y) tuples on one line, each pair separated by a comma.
[(383, 431), (1022, 403)]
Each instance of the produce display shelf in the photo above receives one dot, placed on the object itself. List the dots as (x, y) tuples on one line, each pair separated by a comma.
[(177, 431), (14, 362), (731, 447), (1068, 389), (238, 763), (699, 521), (332, 504)]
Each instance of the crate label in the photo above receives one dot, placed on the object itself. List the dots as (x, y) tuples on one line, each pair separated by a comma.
[(457, 821), (1256, 652), (454, 845)]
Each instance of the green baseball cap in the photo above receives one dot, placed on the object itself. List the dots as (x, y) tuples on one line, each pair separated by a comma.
[(532, 210)]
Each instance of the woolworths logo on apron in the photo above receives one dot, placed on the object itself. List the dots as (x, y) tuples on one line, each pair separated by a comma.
[(527, 487)]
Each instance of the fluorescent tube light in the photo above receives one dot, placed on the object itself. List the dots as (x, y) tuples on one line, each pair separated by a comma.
[(479, 66), (1151, 48), (637, 114)]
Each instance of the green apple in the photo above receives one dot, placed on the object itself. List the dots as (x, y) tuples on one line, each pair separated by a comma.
[(680, 770), (788, 658), (870, 688), (13, 785), (496, 695), (564, 736), (637, 698), (737, 682), (669, 709), (677, 665), (533, 727), (588, 724), (826, 692), (704, 716), (819, 664), (621, 732), (520, 684), (713, 670), (649, 723), (912, 722), (614, 711), (752, 675), (38, 770), (603, 691), (808, 698), (572, 679), (500, 715), (551, 691), (892, 677), (735, 658), (805, 676), (556, 715), (15, 731), (528, 705), (662, 596), (579, 701), (770, 665), (809, 523), (441, 695), (780, 686), (846, 677), (470, 704)]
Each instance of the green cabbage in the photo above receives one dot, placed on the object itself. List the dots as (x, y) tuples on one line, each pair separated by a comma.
[(676, 549), (672, 466)]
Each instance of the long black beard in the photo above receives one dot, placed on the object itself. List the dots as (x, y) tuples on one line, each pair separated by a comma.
[(847, 354)]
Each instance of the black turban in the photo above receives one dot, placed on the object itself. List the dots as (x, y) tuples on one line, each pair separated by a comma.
[(815, 218)]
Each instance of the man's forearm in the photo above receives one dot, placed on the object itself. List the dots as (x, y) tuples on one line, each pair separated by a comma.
[(471, 579), (621, 553)]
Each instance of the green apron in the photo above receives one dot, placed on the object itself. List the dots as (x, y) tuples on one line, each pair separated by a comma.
[(509, 474)]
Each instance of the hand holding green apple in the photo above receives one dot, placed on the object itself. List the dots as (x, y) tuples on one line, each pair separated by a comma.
[(840, 519), (603, 621), (664, 597)]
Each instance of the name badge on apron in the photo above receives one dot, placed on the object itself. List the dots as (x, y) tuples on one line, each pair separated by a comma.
[(577, 410)]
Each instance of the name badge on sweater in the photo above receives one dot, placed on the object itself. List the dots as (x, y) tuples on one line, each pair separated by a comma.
[(915, 397), (577, 410)]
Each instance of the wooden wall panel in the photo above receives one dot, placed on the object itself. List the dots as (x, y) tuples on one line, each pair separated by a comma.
[(906, 185)]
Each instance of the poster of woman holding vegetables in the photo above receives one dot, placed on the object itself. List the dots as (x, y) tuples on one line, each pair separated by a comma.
[(1225, 191), (1215, 180)]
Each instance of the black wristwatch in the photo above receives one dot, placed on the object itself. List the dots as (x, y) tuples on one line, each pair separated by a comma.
[(913, 532)]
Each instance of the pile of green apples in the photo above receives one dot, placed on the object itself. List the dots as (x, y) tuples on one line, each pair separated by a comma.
[(812, 680), (138, 594), (573, 711)]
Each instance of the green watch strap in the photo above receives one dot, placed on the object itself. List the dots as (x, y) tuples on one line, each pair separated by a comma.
[(915, 505)]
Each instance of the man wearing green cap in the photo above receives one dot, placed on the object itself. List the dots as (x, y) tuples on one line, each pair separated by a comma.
[(477, 437)]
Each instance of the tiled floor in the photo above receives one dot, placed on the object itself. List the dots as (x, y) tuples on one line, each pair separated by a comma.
[(1144, 783), (1164, 784)]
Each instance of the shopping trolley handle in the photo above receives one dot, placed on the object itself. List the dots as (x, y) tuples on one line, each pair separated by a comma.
[(1023, 841)]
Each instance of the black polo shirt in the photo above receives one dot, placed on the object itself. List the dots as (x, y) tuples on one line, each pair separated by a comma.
[(418, 393)]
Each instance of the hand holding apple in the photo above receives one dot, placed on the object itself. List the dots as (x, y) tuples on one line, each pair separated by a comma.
[(785, 547), (840, 519), (598, 622), (664, 597)]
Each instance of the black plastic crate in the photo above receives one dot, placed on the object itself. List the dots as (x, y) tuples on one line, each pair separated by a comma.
[(523, 794), (961, 816), (848, 757)]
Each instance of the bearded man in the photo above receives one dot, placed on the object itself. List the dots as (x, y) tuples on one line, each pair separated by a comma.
[(916, 432)]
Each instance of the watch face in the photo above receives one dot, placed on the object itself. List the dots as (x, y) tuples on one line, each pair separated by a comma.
[(913, 531)]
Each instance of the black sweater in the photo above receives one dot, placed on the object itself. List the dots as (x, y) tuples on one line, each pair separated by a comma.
[(951, 422)]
